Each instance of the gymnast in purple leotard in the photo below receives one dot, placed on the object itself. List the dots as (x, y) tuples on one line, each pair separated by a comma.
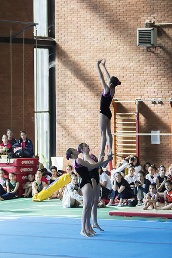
[(94, 174), (105, 113), (82, 168)]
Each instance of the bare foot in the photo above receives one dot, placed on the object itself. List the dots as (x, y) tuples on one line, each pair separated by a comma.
[(1, 199), (85, 234), (97, 226), (144, 208), (92, 232)]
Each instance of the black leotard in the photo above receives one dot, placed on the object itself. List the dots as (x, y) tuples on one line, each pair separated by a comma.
[(94, 173), (84, 174), (105, 102)]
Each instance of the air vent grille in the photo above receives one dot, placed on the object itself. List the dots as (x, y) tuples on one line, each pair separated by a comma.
[(147, 37)]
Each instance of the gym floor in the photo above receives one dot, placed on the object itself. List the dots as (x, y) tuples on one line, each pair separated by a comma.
[(46, 229)]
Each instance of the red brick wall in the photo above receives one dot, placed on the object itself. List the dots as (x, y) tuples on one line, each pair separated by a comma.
[(92, 29), (16, 11)]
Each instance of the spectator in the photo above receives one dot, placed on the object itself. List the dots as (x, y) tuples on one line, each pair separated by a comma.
[(38, 185), (28, 186), (3, 183), (7, 147), (69, 169), (168, 195), (151, 198), (145, 167), (141, 187), (121, 188), (12, 187), (72, 197), (55, 176), (26, 143), (161, 179), (105, 183), (3, 180), (11, 140), (131, 177), (151, 176), (43, 179), (46, 174)]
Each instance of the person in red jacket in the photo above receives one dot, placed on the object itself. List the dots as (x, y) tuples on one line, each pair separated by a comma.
[(7, 147)]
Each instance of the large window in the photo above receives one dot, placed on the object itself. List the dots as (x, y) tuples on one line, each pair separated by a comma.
[(41, 75), (44, 81), (41, 17)]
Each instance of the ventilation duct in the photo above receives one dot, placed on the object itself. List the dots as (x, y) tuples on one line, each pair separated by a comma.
[(147, 37)]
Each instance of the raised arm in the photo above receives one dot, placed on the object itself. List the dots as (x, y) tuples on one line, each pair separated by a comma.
[(106, 72), (92, 166), (105, 86)]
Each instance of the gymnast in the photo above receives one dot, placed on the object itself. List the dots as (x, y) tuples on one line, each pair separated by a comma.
[(82, 168), (94, 174), (105, 113)]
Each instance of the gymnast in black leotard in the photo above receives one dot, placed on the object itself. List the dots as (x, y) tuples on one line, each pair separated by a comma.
[(94, 174), (82, 168), (105, 113)]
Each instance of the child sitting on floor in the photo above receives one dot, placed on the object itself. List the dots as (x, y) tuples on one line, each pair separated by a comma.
[(168, 195), (28, 186), (131, 177), (38, 185), (12, 187), (72, 197), (151, 198)]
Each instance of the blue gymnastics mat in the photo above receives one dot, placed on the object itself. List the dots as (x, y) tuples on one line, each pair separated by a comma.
[(38, 237)]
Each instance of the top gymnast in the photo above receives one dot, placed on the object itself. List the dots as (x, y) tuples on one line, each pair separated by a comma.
[(105, 113)]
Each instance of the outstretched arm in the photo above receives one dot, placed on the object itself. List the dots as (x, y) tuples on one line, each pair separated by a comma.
[(92, 166), (106, 72), (105, 86)]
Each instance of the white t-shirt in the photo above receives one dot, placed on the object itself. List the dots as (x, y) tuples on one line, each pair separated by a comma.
[(130, 179), (152, 180), (104, 177)]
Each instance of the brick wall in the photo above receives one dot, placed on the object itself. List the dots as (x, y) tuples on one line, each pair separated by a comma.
[(16, 11), (92, 29)]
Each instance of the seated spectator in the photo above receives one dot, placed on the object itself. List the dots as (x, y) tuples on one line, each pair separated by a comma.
[(46, 174), (28, 186), (3, 180), (134, 161), (121, 188), (11, 140), (151, 176), (72, 197), (105, 184), (38, 184), (26, 143), (151, 198), (161, 179), (69, 169), (168, 195), (131, 177), (141, 187), (54, 173), (12, 187), (145, 168), (6, 146), (169, 176), (54, 176), (43, 179)]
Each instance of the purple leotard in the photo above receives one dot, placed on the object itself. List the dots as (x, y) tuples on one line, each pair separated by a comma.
[(84, 174)]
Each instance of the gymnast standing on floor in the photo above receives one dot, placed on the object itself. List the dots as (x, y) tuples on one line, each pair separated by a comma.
[(82, 168), (105, 113), (94, 174)]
